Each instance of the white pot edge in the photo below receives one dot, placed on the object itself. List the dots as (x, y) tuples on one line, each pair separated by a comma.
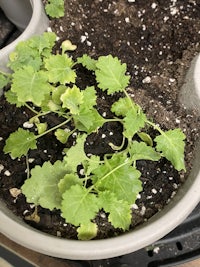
[(37, 25)]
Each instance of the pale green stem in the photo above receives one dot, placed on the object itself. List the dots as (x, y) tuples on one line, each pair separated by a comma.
[(52, 129)]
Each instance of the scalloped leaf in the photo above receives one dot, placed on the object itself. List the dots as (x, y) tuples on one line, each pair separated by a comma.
[(59, 69), (79, 206), (42, 187), (171, 144), (19, 143), (119, 210), (110, 74), (30, 85)]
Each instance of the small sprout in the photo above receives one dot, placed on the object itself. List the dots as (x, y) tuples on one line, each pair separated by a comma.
[(15, 192), (34, 217), (67, 46)]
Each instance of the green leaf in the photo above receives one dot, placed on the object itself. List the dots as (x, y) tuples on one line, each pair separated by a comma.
[(72, 99), (68, 180), (89, 97), (133, 121), (141, 151), (75, 155), (57, 92), (19, 143), (146, 138), (171, 144), (119, 210), (91, 164), (79, 206), (110, 74), (88, 120), (87, 231), (42, 187), (12, 98), (30, 52), (60, 69), (117, 176), (55, 8), (30, 85), (88, 62), (122, 106), (41, 127), (42, 43)]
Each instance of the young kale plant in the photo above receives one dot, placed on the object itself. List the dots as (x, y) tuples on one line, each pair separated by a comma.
[(46, 84)]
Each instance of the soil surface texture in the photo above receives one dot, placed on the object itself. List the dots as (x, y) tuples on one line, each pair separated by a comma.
[(157, 40)]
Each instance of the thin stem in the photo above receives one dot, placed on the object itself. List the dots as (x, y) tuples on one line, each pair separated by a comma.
[(115, 119), (155, 127), (52, 129), (27, 167), (40, 114), (5, 73), (33, 110)]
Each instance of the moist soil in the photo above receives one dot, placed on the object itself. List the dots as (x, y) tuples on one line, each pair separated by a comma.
[(157, 40)]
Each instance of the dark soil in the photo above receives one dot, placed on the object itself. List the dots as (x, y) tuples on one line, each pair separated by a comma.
[(157, 40)]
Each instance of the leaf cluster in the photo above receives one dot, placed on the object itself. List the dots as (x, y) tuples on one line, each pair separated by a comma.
[(46, 83)]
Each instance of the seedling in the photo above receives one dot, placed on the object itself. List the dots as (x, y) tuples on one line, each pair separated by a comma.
[(46, 84)]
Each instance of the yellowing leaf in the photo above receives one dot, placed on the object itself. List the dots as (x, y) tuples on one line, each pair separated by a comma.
[(72, 99), (87, 231)]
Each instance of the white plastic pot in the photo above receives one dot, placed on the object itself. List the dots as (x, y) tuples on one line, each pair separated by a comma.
[(27, 15), (187, 197)]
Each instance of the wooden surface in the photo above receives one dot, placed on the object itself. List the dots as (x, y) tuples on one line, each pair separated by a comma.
[(40, 260)]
